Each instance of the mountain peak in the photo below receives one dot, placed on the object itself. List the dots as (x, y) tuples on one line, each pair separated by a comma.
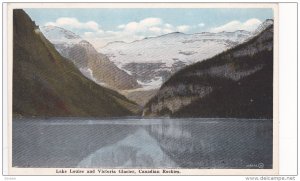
[(264, 25), (176, 33), (58, 33), (85, 43), (114, 42), (269, 20), (267, 23)]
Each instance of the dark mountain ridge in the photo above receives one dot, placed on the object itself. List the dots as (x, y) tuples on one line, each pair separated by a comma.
[(46, 84), (235, 83)]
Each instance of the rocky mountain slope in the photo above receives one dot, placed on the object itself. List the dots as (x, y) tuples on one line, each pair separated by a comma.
[(235, 83), (47, 84), (91, 63)]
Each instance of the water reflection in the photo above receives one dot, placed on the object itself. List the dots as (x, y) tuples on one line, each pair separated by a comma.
[(216, 143), (137, 150), (147, 143)]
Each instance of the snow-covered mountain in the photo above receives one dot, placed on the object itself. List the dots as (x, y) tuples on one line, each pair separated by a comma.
[(153, 60), (59, 35), (91, 63)]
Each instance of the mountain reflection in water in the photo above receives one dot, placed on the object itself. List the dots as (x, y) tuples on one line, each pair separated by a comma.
[(142, 143)]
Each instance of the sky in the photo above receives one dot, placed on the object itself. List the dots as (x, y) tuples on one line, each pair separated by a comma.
[(101, 26)]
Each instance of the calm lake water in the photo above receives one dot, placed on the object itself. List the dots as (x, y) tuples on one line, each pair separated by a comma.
[(146, 143)]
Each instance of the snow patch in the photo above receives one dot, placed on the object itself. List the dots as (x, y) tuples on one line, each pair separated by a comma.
[(154, 83), (89, 74)]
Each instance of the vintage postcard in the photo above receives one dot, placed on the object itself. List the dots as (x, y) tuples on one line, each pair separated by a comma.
[(142, 88)]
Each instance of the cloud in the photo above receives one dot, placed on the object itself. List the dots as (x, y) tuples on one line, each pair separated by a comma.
[(183, 28), (121, 26), (201, 24), (149, 22), (167, 25), (74, 23), (155, 30), (249, 25), (152, 26), (133, 27), (167, 30), (141, 26)]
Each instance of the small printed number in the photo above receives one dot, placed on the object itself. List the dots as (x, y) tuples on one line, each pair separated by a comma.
[(10, 178)]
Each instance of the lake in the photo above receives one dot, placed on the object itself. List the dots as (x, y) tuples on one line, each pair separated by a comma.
[(143, 143)]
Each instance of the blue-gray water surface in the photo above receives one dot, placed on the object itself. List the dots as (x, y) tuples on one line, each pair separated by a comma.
[(143, 143)]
